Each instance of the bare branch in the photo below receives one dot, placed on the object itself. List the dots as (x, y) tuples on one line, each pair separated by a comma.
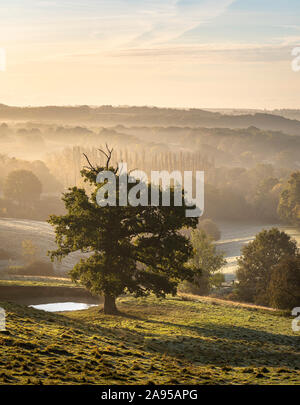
[(91, 167), (102, 151), (130, 171), (108, 154)]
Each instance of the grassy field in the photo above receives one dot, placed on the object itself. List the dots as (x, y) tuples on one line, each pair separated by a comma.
[(35, 281), (170, 341)]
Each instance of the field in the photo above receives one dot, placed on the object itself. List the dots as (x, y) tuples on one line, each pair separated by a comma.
[(180, 340), (37, 281), (14, 231)]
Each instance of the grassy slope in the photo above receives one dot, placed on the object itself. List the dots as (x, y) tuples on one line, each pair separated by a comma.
[(161, 341)]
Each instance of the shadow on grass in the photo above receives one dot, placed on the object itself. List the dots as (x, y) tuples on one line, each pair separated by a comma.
[(237, 333), (210, 343), (204, 344)]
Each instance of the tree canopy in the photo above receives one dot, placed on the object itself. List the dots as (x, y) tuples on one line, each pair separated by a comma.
[(207, 259), (289, 204), (284, 288), (22, 186), (131, 249), (256, 263)]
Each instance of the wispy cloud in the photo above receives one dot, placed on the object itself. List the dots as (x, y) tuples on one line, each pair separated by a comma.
[(177, 18), (131, 23), (217, 53)]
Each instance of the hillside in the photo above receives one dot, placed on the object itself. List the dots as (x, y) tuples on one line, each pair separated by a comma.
[(149, 116), (14, 231), (168, 341)]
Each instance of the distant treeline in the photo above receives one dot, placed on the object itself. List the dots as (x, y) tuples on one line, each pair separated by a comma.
[(151, 116)]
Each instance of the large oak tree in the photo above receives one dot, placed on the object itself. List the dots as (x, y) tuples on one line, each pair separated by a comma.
[(131, 249)]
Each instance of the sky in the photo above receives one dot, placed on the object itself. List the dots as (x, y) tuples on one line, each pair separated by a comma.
[(169, 53)]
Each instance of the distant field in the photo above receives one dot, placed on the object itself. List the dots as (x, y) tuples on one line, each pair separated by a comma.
[(14, 231), (32, 281), (170, 341)]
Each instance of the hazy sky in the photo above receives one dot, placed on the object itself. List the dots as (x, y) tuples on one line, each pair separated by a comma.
[(178, 53)]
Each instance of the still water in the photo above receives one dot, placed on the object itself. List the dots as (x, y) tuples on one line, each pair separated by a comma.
[(63, 306)]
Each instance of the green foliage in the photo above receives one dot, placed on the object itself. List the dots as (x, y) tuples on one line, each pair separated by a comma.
[(289, 205), (136, 249), (22, 186), (217, 280), (257, 261), (265, 201), (207, 259), (284, 288)]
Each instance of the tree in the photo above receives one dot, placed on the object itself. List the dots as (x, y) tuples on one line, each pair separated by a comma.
[(131, 249), (289, 204), (265, 201), (257, 261), (207, 259), (210, 228), (22, 186), (284, 288)]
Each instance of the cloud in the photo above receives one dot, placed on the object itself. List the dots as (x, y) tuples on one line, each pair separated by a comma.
[(178, 17), (218, 53), (165, 27), (143, 23), (213, 53)]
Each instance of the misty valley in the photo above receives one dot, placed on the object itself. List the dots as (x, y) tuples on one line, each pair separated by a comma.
[(143, 294), (149, 200)]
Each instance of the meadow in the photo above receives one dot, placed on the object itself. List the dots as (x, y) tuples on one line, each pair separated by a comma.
[(178, 340)]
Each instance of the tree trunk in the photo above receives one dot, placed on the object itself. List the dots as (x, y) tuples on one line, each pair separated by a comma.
[(110, 305)]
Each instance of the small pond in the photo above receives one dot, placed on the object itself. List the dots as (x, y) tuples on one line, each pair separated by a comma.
[(63, 306)]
